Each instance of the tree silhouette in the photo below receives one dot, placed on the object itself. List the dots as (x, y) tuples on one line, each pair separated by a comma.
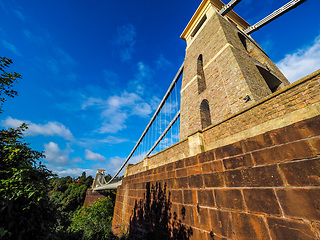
[(152, 217)]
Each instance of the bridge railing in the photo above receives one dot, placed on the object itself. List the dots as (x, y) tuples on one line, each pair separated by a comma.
[(163, 129)]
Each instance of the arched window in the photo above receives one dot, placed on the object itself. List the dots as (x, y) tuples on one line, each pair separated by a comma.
[(200, 75), (205, 114), (272, 81)]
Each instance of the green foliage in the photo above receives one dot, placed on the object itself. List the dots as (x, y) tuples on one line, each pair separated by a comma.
[(25, 209), (6, 80), (68, 195), (34, 203), (94, 222)]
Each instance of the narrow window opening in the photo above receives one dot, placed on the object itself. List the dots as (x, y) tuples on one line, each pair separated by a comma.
[(200, 75), (243, 40), (272, 81), (199, 25), (205, 114)]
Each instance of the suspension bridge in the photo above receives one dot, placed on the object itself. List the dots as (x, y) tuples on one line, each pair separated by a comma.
[(163, 130)]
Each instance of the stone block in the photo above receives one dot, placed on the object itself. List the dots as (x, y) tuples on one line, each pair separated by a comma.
[(170, 167), (190, 197), (211, 167), (302, 173), (288, 134), (191, 161), (179, 164), (300, 202), (311, 125), (243, 161), (283, 229), (207, 156), (193, 170), (182, 172), (257, 142), (171, 174), (206, 198), (202, 218), (176, 196), (196, 181), (249, 226), (262, 201), (230, 199), (315, 142), (265, 176), (284, 153), (229, 150), (220, 223), (187, 214), (213, 180), (182, 182)]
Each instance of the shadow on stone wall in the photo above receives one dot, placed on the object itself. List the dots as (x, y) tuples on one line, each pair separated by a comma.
[(152, 217)]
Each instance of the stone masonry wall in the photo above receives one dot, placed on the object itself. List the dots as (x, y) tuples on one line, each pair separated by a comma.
[(261, 182), (92, 197), (265, 187)]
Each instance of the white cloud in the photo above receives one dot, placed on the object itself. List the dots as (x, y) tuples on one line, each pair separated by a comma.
[(11, 47), (118, 108), (94, 156), (125, 39), (302, 62), (49, 129), (113, 122), (55, 155)]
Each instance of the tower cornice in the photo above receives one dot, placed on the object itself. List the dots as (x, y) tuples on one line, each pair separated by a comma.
[(204, 8)]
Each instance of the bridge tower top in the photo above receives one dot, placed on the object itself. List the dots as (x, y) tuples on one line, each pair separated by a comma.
[(225, 70)]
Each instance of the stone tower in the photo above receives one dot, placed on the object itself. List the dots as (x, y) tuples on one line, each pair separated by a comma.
[(225, 70)]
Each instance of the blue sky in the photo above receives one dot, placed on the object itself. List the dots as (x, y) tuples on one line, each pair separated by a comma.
[(95, 71)]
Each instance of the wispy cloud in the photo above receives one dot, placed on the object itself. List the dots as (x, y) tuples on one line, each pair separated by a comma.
[(162, 62), (302, 62), (113, 140), (125, 40), (42, 38), (60, 63), (49, 129), (119, 108), (94, 156), (63, 57), (143, 75), (11, 47), (19, 15)]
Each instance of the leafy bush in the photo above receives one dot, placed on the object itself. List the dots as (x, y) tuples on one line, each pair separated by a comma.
[(93, 222)]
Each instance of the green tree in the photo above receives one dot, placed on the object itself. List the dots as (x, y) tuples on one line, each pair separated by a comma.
[(94, 222), (68, 195), (6, 81), (25, 209)]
